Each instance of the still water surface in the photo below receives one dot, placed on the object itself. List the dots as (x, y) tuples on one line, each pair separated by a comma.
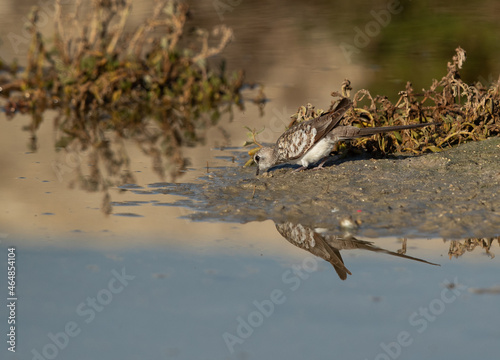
[(144, 282)]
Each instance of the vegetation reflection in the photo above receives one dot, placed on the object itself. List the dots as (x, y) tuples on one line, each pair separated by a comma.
[(152, 86)]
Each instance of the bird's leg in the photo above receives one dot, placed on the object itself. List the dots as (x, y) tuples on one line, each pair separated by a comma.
[(323, 161), (299, 169), (320, 166)]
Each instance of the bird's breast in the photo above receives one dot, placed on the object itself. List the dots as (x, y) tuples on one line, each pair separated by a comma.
[(321, 149)]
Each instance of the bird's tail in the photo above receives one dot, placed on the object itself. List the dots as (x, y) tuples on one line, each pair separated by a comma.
[(384, 129), (352, 132)]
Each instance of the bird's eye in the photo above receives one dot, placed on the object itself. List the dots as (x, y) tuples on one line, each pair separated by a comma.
[(257, 158)]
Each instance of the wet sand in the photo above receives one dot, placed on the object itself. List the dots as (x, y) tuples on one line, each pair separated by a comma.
[(453, 194)]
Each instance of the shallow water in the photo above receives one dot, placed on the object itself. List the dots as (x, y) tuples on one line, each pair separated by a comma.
[(147, 282), (183, 303)]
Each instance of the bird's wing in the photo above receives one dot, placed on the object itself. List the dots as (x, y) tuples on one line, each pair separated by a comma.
[(307, 239), (327, 122), (297, 140)]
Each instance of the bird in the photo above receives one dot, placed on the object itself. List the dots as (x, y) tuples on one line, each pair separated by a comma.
[(307, 238), (324, 244), (310, 141)]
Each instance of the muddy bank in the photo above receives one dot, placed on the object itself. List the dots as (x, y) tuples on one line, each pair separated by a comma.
[(452, 194)]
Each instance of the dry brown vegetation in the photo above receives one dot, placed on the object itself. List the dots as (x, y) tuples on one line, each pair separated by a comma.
[(467, 113)]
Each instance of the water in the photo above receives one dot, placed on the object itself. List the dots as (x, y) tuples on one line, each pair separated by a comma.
[(183, 303), (145, 282)]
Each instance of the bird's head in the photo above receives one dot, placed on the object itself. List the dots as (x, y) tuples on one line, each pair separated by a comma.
[(264, 158)]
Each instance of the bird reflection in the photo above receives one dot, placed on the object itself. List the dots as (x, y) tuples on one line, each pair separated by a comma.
[(327, 246)]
